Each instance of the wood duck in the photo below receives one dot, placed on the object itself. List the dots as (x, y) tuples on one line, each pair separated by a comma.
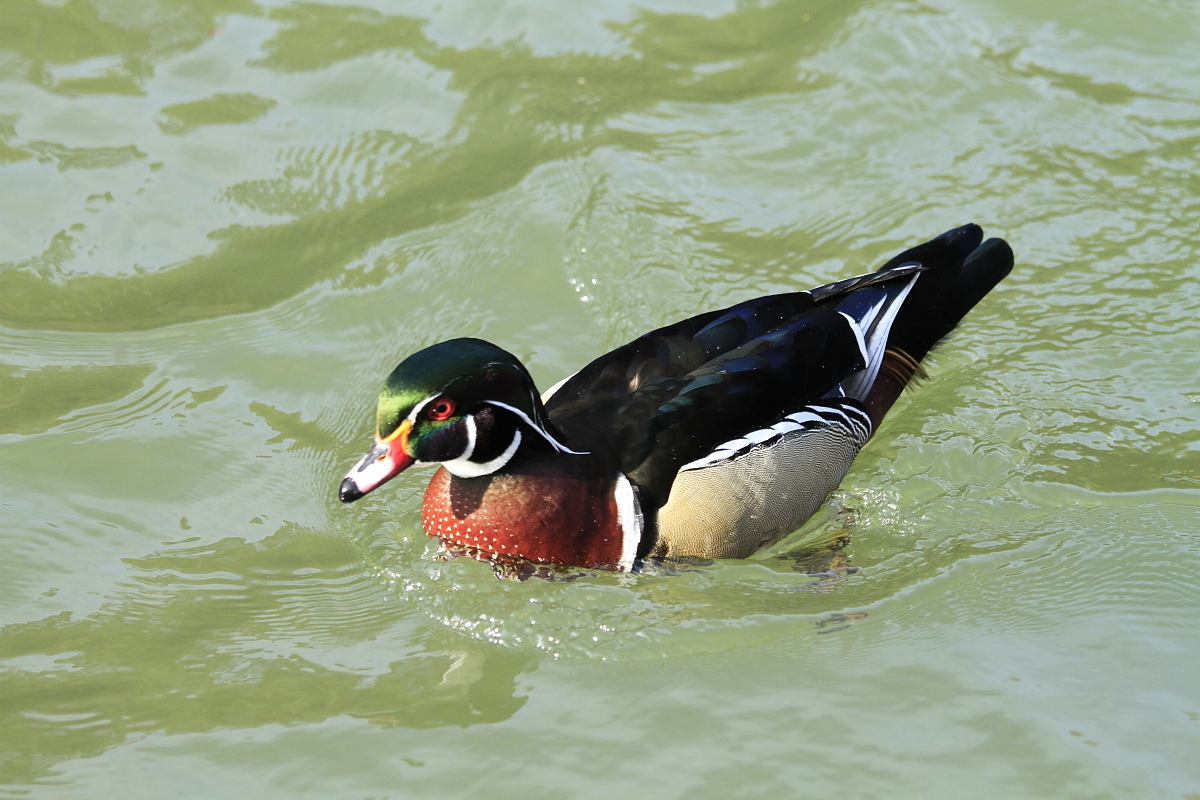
[(710, 438)]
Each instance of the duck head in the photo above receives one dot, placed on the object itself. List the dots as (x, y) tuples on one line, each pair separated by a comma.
[(463, 403)]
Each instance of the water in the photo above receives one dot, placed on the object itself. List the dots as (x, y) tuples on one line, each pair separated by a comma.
[(223, 223)]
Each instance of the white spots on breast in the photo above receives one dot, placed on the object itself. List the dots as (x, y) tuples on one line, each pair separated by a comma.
[(469, 531)]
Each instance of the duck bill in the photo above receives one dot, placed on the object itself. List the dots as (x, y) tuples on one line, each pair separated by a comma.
[(384, 461)]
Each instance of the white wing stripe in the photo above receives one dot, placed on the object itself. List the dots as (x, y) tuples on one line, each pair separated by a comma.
[(869, 317), (858, 336), (859, 384)]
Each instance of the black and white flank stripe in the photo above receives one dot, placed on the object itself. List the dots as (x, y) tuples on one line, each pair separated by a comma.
[(846, 416)]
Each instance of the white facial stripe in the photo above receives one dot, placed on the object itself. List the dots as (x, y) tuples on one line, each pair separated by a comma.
[(553, 442), (412, 415), (464, 468), (629, 517), (472, 435)]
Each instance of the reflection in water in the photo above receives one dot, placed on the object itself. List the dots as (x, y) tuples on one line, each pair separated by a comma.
[(285, 631)]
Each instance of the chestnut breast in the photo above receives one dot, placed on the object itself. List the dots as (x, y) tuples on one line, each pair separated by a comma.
[(531, 513)]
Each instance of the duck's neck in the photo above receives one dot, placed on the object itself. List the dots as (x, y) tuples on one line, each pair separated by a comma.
[(495, 434), (493, 437)]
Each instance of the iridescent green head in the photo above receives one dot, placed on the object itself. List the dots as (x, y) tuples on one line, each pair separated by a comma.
[(464, 372), (439, 405)]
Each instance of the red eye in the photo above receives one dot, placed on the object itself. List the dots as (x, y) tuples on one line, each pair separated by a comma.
[(440, 409)]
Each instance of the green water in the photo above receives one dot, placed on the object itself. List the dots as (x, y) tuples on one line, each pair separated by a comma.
[(222, 223)]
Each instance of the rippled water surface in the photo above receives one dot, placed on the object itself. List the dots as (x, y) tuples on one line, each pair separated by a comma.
[(222, 222)]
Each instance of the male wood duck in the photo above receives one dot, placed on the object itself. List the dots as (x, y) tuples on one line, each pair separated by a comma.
[(711, 438)]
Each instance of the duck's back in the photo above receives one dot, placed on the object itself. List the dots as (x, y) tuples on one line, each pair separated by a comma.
[(736, 424)]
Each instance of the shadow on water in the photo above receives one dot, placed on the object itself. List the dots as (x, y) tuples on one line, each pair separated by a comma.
[(283, 631), (518, 110)]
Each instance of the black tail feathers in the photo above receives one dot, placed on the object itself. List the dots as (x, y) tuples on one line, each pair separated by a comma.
[(959, 272)]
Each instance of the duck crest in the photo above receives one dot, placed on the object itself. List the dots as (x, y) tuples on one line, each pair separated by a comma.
[(541, 513)]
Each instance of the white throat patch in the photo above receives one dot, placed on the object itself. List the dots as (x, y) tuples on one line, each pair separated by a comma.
[(464, 467)]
